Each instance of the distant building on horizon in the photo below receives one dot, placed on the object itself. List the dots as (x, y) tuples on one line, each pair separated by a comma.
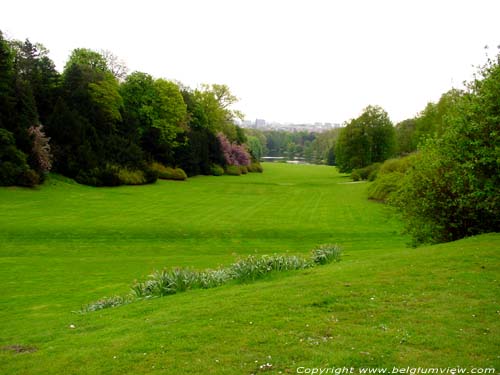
[(260, 123)]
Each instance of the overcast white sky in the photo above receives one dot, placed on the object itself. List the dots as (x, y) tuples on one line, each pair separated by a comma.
[(296, 61)]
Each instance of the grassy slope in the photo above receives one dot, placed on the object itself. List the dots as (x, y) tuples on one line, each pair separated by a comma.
[(65, 245)]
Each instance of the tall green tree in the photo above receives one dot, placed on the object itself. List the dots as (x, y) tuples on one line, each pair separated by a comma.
[(368, 139), (154, 113), (7, 98), (34, 66), (84, 123)]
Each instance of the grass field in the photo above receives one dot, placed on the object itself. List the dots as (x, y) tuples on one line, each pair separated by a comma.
[(65, 245)]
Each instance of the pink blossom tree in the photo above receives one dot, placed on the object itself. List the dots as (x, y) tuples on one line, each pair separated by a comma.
[(41, 148), (234, 154)]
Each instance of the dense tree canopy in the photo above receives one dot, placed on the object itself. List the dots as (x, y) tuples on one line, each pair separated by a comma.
[(368, 139), (452, 189), (105, 127)]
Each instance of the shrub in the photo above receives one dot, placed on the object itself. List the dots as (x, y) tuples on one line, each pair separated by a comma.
[(243, 169), (233, 170), (109, 175), (389, 178), (28, 178), (150, 175), (103, 176), (179, 174), (355, 175), (384, 185), (216, 170), (400, 165), (255, 167), (366, 173), (14, 169), (131, 177), (168, 173)]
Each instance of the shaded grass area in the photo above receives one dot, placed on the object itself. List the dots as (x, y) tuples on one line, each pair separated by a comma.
[(64, 245)]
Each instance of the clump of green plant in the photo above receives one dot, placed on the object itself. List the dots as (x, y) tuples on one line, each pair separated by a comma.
[(131, 177), (213, 278), (389, 179), (165, 282), (255, 167), (325, 254), (252, 268), (106, 302), (115, 175), (176, 280), (14, 169), (216, 170), (233, 170), (169, 173), (367, 173), (243, 169)]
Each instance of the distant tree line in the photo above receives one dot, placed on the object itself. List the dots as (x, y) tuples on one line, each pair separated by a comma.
[(101, 126), (440, 169), (307, 146)]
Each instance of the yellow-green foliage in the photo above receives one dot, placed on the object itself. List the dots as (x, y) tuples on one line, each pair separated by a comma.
[(131, 177), (367, 173), (255, 167), (389, 178), (243, 169), (168, 173), (233, 170), (217, 170)]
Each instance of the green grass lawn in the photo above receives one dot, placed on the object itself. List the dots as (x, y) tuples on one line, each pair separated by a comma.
[(65, 245)]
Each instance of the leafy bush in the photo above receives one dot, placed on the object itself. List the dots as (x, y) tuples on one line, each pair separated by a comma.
[(131, 177), (389, 178), (233, 170), (14, 169), (168, 173), (216, 170), (384, 185), (28, 178), (366, 173), (400, 165), (243, 169), (150, 175), (109, 175), (255, 167), (355, 175), (104, 176)]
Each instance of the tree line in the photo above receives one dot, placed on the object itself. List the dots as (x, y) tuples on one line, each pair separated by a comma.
[(107, 127), (441, 169), (311, 147)]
